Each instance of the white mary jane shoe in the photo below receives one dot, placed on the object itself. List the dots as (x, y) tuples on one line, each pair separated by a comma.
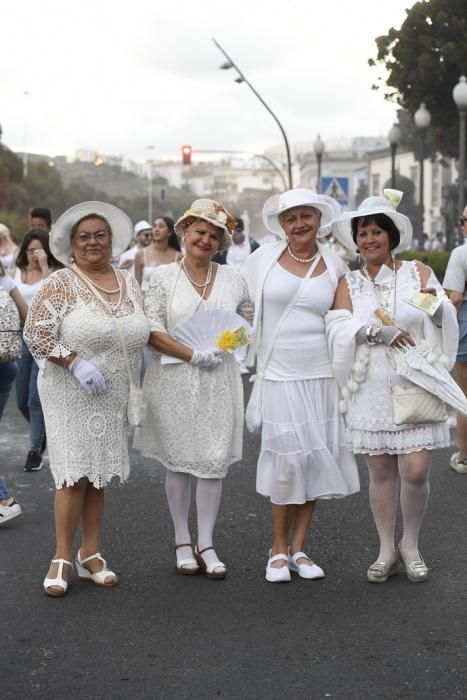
[(309, 571), (52, 584), (276, 574), (99, 577)]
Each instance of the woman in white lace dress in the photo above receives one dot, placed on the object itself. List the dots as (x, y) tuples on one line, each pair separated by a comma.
[(370, 315), (195, 418), (72, 331)]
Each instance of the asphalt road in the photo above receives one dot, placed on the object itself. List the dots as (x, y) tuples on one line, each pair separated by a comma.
[(162, 635)]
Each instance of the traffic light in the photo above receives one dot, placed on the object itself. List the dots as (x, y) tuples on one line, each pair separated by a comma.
[(186, 155)]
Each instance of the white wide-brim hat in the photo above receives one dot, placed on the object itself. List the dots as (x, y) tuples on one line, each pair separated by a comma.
[(213, 212), (279, 203), (120, 225), (370, 206)]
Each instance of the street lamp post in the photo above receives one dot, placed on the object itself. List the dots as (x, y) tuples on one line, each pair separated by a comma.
[(241, 78), (422, 119), (318, 148), (150, 148), (459, 95), (394, 137)]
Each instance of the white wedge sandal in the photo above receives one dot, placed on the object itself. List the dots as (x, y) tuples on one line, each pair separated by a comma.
[(99, 577), (58, 581)]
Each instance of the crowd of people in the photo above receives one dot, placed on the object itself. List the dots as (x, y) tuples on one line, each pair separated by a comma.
[(84, 315)]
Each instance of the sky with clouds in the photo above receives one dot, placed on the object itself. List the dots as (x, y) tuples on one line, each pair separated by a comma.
[(118, 77)]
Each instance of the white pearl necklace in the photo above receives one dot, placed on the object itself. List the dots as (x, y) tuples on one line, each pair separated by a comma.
[(195, 284), (302, 260), (94, 284)]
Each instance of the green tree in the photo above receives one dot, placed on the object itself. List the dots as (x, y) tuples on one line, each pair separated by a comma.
[(422, 62)]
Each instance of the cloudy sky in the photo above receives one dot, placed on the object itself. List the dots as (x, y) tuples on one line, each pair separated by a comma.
[(117, 77)]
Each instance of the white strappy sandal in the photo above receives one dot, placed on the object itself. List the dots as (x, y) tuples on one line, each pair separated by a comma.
[(52, 584), (99, 577)]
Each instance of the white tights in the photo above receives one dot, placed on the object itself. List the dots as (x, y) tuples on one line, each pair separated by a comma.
[(208, 498), (413, 470)]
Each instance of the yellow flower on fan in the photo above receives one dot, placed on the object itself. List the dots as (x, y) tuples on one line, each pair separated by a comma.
[(232, 340)]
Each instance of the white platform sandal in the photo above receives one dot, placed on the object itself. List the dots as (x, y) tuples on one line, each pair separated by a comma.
[(99, 577), (52, 584)]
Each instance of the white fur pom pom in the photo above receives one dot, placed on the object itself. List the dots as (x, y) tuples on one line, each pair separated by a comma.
[(345, 393), (352, 386), (342, 406), (444, 360), (359, 375)]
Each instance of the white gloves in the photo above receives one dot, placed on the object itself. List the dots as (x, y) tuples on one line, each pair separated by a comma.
[(206, 359), (7, 283), (89, 376)]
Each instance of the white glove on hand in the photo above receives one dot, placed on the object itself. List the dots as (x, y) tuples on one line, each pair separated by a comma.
[(206, 359), (7, 283), (89, 376)]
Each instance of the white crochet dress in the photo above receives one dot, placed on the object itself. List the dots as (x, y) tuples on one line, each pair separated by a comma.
[(195, 416), (371, 429), (86, 435)]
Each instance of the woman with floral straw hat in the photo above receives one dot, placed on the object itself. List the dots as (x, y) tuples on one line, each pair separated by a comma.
[(194, 425), (87, 328), (375, 309), (295, 397)]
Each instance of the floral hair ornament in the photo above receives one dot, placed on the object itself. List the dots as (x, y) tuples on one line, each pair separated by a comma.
[(213, 212)]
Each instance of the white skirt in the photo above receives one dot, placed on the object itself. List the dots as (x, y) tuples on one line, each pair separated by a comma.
[(303, 452)]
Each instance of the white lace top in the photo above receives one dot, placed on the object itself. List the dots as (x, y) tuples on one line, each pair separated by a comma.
[(369, 418), (86, 435), (195, 416)]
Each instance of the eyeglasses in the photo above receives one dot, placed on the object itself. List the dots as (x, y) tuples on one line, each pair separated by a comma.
[(85, 236)]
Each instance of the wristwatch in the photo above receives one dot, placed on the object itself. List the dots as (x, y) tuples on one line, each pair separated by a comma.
[(372, 335)]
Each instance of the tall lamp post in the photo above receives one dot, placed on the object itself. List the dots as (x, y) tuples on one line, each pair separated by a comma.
[(422, 119), (318, 148), (459, 95), (150, 148), (241, 78), (394, 137)]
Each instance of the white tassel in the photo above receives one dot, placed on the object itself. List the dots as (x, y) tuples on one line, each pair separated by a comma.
[(342, 406), (352, 386), (359, 375), (345, 393)]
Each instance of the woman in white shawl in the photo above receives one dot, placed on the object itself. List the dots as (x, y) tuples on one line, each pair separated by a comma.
[(295, 397), (372, 313)]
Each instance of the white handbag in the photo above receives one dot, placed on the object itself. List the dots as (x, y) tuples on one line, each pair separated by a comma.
[(412, 404)]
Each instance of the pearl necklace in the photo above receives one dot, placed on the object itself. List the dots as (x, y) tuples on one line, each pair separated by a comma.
[(302, 260), (94, 284), (195, 284)]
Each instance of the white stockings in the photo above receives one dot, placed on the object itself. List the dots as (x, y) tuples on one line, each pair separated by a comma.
[(413, 470), (208, 498)]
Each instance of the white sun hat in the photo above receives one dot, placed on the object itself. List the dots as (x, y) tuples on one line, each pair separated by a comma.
[(386, 204), (120, 225), (213, 212), (279, 203)]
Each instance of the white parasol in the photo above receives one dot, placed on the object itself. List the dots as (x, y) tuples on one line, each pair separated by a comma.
[(420, 365)]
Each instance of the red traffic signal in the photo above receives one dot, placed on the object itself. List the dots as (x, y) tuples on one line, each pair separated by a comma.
[(186, 155)]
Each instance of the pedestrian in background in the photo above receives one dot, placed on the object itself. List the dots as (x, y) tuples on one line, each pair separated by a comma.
[(143, 238), (295, 397), (40, 217), (12, 309), (163, 250), (194, 425), (8, 249), (455, 280), (371, 312), (34, 263), (85, 326)]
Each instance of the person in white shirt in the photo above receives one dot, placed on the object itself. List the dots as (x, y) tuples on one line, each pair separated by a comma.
[(143, 237), (455, 279)]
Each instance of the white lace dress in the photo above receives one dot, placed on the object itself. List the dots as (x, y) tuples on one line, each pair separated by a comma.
[(86, 435), (195, 416), (370, 425)]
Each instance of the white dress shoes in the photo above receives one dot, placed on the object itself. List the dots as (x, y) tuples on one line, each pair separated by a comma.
[(310, 571), (277, 574)]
